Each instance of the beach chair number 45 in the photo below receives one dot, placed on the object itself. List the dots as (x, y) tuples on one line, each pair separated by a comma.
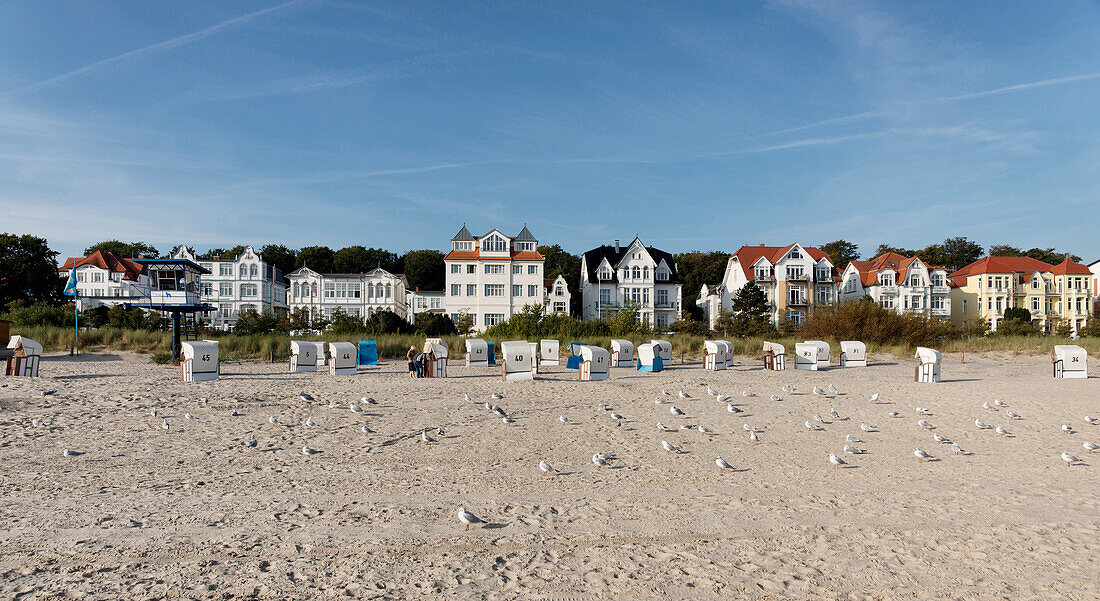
[(205, 358)]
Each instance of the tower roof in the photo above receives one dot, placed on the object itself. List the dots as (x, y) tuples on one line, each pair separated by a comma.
[(464, 235), (524, 235)]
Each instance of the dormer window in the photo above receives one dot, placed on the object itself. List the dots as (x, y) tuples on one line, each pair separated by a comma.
[(762, 273), (794, 254), (661, 275), (525, 246), (1036, 283), (604, 275), (886, 279), (464, 245), (494, 244)]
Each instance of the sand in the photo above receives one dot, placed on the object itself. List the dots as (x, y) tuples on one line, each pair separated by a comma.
[(194, 513)]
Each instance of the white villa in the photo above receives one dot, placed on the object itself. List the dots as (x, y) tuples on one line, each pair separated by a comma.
[(358, 294), (236, 284), (794, 278), (903, 284), (615, 277), (557, 296), (492, 277), (105, 280), (421, 301)]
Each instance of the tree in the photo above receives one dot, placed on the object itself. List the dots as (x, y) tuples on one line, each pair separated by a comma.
[(344, 323), (127, 250), (953, 254), (225, 254), (464, 324), (250, 321), (424, 269), (281, 257), (748, 314), (559, 262), (28, 270), (886, 248), (359, 259), (434, 324), (696, 268), (841, 252), (318, 258), (1004, 250), (1047, 255), (387, 322), (1019, 313)]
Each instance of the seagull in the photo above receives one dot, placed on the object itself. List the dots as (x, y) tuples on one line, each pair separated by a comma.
[(675, 410), (497, 395), (711, 391), (489, 406), (615, 415), (1090, 446), (1067, 429), (1090, 419), (660, 426), (687, 427), (273, 420), (333, 405), (866, 428), (924, 424), (938, 438), (921, 455), (812, 426), (753, 437), (366, 429), (818, 390), (305, 396), (234, 413), (499, 411), (164, 423), (563, 419), (468, 518), (601, 407), (71, 453), (852, 450), (1001, 431), (355, 408), (746, 393), (468, 398), (921, 410), (982, 425), (787, 388), (188, 416), (599, 460), (732, 409), (818, 418), (38, 423), (851, 438), (203, 400), (874, 398), (833, 389), (440, 432), (604, 456), (425, 438), (986, 405), (956, 449), (894, 414), (667, 446), (1070, 459), (999, 403), (836, 461), (833, 413), (308, 451), (776, 397), (664, 392), (1012, 414), (153, 412), (252, 442), (657, 400), (722, 398), (684, 395), (704, 430), (545, 467), (748, 428), (507, 420), (309, 422), (368, 400), (722, 463)]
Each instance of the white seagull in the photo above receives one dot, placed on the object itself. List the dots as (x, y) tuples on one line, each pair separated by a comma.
[(153, 412), (866, 428), (818, 418), (1012, 414), (711, 391), (874, 398), (38, 423), (982, 425), (851, 438), (546, 468), (563, 419), (817, 390), (924, 423), (468, 518), (1090, 446), (836, 461), (833, 389), (164, 423), (675, 410), (776, 397), (273, 420), (368, 400), (834, 414), (986, 405), (366, 429), (1067, 429), (921, 455), (599, 460), (507, 420), (999, 403), (787, 388), (812, 426), (1090, 419), (497, 395), (852, 450), (938, 438), (310, 422), (722, 463), (1069, 458), (956, 449), (308, 451), (355, 408), (748, 428), (70, 453), (188, 416), (305, 396), (425, 438), (684, 395), (660, 426), (1001, 431), (667, 446), (703, 430), (753, 436), (615, 415), (601, 407), (333, 405), (746, 393), (732, 409), (468, 398), (894, 414)]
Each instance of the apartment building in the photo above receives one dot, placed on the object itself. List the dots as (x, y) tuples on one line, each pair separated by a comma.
[(899, 283), (357, 294), (615, 277), (237, 284), (794, 278), (1051, 293), (493, 276), (105, 280)]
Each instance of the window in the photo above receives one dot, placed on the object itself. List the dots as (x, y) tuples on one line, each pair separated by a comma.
[(964, 305), (662, 298), (662, 275), (207, 289), (225, 270), (528, 246), (434, 302), (492, 319), (80, 276), (645, 272), (330, 290), (886, 279), (494, 289), (491, 269), (471, 289), (887, 302), (455, 289), (253, 271), (915, 302), (761, 273), (636, 273), (532, 290), (355, 290), (795, 272), (455, 268), (225, 290), (463, 245), (225, 309), (794, 254), (558, 291), (795, 317), (248, 290), (937, 280), (914, 281), (604, 275), (1036, 283), (532, 269), (517, 290), (495, 244), (938, 302), (389, 290), (517, 269), (471, 268), (796, 296), (605, 296), (823, 274), (1035, 305)]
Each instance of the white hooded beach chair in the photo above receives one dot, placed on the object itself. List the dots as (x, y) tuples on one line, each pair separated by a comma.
[(343, 359), (436, 367), (853, 354), (664, 349), (549, 352), (774, 354), (199, 362), (622, 353), (715, 355), (517, 360), (477, 353), (928, 366), (1070, 361), (595, 363), (805, 356), (303, 356)]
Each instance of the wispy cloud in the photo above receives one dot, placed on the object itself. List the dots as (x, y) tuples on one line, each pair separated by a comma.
[(1018, 88), (150, 49)]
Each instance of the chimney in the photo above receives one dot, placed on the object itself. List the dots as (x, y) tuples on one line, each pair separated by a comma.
[(616, 246), (217, 257), (141, 256)]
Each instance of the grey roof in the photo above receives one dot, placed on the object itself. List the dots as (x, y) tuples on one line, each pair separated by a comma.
[(594, 257), (524, 235), (463, 234)]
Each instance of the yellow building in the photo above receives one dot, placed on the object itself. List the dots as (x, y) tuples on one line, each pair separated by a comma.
[(1052, 293)]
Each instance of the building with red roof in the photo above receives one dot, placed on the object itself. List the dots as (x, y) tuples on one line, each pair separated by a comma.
[(900, 283), (105, 279)]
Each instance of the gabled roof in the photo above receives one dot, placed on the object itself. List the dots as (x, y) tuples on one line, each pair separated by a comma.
[(463, 235), (107, 260), (594, 257), (749, 255), (1019, 266), (524, 235), (869, 270)]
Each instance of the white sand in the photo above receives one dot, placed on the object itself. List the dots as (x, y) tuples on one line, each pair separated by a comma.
[(193, 513)]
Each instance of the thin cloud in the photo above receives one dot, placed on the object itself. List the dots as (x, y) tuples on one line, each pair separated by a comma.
[(1018, 87), (151, 49)]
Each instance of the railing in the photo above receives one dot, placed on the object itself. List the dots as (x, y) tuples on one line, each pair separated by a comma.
[(888, 290), (941, 311), (664, 305), (940, 290), (797, 301)]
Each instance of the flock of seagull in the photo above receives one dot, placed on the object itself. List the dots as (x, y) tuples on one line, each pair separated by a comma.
[(603, 459)]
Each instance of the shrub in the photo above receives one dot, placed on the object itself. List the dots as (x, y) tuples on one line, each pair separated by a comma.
[(1018, 313), (387, 322), (40, 314), (343, 323), (869, 322), (435, 325), (250, 321), (161, 357), (690, 327), (1016, 327)]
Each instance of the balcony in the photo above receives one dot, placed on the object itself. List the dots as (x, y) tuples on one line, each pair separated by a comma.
[(797, 301), (940, 290), (664, 305), (885, 290), (798, 277), (941, 312)]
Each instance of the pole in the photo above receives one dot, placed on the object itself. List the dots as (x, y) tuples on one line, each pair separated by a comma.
[(76, 322), (175, 336)]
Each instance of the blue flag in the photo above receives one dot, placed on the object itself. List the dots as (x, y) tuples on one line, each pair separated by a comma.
[(70, 286)]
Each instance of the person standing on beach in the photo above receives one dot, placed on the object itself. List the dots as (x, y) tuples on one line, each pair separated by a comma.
[(418, 360), (414, 369)]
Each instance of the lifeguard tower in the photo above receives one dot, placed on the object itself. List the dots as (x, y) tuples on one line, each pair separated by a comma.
[(173, 288)]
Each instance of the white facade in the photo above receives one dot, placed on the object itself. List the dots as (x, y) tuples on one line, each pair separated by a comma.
[(104, 280), (358, 294), (557, 296), (901, 284), (236, 284), (492, 277), (794, 279), (614, 277), (420, 301)]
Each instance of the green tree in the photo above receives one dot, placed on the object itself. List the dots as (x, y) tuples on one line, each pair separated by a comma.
[(625, 321), (224, 254), (841, 252), (424, 269), (1019, 313), (387, 322), (128, 250), (464, 324), (886, 248), (28, 270), (251, 321), (559, 262), (748, 314), (1047, 255), (283, 258), (1004, 250), (318, 258), (359, 259), (953, 253), (344, 323), (696, 268), (435, 324)]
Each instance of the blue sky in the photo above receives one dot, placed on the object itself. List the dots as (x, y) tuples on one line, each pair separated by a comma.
[(701, 125)]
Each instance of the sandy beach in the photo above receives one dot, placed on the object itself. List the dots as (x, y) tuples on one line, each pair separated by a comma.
[(193, 512)]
